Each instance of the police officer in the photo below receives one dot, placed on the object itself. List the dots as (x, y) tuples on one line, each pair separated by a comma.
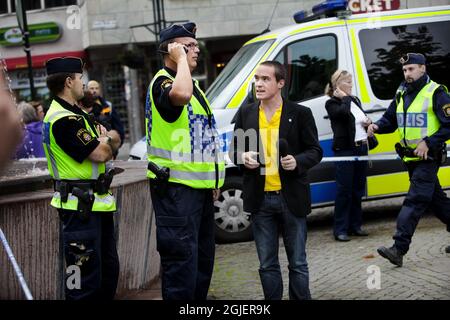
[(182, 141), (421, 115), (76, 152), (104, 111)]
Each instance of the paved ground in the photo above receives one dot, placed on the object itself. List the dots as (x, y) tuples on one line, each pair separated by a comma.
[(340, 270)]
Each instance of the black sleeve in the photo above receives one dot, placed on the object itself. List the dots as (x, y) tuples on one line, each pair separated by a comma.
[(234, 152), (441, 107), (388, 122), (72, 136), (338, 109), (161, 89), (309, 138)]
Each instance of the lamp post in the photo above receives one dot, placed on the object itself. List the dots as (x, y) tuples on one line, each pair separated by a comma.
[(23, 25)]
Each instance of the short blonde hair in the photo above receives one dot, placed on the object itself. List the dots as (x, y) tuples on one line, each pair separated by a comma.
[(337, 75)]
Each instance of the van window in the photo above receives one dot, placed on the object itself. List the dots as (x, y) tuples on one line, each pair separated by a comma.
[(382, 49), (309, 65), (235, 73)]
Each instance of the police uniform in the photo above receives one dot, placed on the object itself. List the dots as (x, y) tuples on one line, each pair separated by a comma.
[(85, 205), (183, 139), (420, 111)]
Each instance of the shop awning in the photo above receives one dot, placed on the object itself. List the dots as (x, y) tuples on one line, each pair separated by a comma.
[(39, 61)]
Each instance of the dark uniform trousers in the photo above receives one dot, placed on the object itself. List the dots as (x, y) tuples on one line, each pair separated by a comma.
[(424, 192), (91, 237), (185, 240)]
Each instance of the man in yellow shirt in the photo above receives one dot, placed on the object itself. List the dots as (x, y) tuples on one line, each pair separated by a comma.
[(276, 190)]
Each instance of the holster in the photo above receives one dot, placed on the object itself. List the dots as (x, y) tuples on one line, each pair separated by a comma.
[(85, 201), (104, 182), (159, 184), (83, 190), (437, 154), (404, 151)]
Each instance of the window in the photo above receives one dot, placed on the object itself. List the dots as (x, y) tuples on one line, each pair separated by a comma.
[(34, 4), (59, 3), (27, 5), (31, 4), (3, 6), (382, 48), (233, 75), (309, 64)]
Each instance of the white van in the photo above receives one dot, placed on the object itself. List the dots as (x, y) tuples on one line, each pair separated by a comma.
[(367, 45)]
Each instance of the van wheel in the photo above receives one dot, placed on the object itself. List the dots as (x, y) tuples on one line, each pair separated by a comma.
[(232, 222)]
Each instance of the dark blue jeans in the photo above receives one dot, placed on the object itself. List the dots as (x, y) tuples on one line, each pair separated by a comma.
[(273, 217), (424, 192), (350, 187), (185, 241)]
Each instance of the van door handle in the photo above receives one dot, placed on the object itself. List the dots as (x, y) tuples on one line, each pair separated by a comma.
[(326, 117)]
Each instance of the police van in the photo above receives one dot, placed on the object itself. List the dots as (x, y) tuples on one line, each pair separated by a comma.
[(369, 46)]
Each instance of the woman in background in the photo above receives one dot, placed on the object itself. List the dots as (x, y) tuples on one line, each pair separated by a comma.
[(349, 123), (31, 146)]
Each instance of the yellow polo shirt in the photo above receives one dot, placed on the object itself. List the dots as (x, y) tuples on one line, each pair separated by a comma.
[(268, 131)]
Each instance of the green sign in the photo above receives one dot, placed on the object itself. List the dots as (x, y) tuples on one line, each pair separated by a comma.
[(39, 33)]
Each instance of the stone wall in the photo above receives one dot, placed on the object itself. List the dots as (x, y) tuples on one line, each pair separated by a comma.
[(31, 227)]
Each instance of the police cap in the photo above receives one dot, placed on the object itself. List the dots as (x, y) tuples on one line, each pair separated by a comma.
[(177, 31), (65, 64), (413, 58)]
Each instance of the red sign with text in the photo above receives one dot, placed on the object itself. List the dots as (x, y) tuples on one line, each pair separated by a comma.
[(363, 6)]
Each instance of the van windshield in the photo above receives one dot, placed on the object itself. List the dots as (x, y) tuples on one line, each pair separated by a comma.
[(235, 73)]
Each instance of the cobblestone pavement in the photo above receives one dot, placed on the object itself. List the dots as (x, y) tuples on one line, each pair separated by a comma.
[(338, 270)]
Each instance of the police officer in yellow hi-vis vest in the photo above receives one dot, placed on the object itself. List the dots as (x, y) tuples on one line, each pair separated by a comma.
[(186, 167), (76, 153), (420, 113)]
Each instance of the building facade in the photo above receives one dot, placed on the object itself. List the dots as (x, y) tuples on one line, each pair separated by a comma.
[(117, 39)]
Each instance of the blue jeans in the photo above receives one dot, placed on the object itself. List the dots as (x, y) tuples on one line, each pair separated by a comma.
[(351, 186), (273, 217)]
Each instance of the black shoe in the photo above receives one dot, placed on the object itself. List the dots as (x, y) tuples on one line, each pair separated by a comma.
[(342, 237), (359, 233), (392, 255), (447, 250)]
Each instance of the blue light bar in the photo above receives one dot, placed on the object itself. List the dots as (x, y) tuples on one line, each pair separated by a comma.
[(300, 16), (329, 6)]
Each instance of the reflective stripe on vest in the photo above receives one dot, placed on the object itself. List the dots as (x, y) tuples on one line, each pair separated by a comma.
[(190, 147), (102, 203), (64, 167), (419, 121)]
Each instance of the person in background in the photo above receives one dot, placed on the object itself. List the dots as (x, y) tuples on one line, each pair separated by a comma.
[(349, 123), (31, 146), (38, 106), (89, 105), (104, 111)]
